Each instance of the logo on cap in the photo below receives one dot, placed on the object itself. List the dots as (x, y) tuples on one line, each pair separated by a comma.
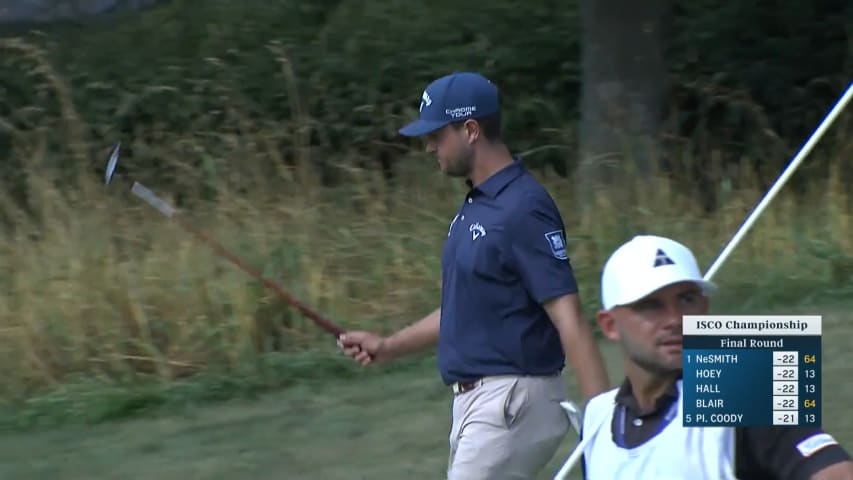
[(662, 259), (461, 112), (425, 101)]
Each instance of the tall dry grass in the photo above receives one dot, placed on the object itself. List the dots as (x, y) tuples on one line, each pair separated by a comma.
[(97, 283)]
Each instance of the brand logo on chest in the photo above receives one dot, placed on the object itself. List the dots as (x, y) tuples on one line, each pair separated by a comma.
[(477, 231)]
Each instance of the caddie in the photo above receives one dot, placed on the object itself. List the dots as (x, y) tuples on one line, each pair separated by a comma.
[(647, 286)]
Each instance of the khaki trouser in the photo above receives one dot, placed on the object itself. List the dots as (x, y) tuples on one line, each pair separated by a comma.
[(508, 428)]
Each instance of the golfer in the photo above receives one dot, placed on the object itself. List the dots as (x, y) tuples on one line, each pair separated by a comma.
[(509, 314), (647, 285)]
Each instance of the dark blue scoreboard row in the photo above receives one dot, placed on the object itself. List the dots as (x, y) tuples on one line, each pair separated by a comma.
[(751, 370)]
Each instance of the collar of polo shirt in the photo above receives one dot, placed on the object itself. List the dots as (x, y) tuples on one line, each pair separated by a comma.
[(500, 179)]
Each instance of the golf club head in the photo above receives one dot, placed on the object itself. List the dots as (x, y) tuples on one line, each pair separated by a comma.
[(574, 414), (112, 163)]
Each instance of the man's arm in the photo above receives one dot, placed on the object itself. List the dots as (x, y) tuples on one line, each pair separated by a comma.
[(538, 252), (414, 338), (839, 471), (792, 453), (582, 352), (368, 347)]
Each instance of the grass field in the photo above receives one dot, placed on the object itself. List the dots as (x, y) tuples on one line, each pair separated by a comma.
[(388, 424)]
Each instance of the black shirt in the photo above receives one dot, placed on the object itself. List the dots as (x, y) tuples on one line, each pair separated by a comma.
[(761, 453)]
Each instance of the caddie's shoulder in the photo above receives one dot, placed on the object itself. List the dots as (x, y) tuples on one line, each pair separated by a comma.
[(781, 449), (602, 400), (597, 410)]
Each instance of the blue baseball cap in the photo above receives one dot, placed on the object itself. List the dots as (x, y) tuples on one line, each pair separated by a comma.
[(452, 98)]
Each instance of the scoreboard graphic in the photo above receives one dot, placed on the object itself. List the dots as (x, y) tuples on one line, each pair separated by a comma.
[(751, 370)]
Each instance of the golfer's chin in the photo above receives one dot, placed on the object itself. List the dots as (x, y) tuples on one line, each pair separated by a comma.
[(453, 173)]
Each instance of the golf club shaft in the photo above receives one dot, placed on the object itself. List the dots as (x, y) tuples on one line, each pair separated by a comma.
[(578, 451), (801, 155), (163, 207)]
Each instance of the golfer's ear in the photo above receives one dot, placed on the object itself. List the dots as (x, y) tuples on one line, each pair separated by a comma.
[(607, 324), (472, 130)]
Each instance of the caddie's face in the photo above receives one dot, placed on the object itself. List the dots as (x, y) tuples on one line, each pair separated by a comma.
[(650, 330), (453, 149)]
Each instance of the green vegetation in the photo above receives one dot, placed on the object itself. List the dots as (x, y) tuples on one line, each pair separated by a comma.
[(378, 425), (265, 123)]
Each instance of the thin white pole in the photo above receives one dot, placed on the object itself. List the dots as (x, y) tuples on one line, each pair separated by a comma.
[(789, 170)]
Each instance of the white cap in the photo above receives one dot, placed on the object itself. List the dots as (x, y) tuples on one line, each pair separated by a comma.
[(645, 264)]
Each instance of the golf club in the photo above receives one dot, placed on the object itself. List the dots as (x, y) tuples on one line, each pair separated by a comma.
[(789, 170), (574, 414), (163, 207)]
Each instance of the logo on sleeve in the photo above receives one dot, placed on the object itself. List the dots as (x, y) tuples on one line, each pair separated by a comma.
[(814, 443), (557, 243)]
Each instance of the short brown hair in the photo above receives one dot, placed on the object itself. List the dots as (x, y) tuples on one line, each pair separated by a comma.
[(490, 126)]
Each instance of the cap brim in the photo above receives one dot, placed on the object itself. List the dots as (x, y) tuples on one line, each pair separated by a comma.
[(708, 289), (419, 128)]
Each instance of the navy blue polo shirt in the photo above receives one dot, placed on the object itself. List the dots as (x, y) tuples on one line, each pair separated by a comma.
[(505, 255)]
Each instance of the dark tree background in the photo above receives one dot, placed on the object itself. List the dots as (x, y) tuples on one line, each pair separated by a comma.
[(591, 87), (623, 87)]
